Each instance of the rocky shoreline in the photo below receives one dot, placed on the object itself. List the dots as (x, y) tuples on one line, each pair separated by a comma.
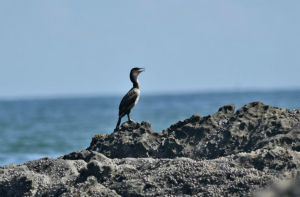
[(229, 153)]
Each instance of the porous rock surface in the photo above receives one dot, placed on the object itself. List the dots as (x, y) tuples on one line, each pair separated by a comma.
[(226, 154)]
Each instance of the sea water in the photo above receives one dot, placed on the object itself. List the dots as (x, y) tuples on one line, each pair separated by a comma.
[(36, 128)]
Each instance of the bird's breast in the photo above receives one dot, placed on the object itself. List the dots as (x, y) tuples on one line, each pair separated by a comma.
[(138, 97)]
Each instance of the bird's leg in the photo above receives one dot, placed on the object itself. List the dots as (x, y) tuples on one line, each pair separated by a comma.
[(130, 119), (118, 124)]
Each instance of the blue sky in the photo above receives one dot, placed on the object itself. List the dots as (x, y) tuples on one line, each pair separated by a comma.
[(67, 48)]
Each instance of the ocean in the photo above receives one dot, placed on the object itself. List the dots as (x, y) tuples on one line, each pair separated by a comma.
[(35, 128)]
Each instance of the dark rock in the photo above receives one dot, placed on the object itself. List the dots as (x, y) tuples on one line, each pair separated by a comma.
[(49, 177), (132, 140), (101, 176)]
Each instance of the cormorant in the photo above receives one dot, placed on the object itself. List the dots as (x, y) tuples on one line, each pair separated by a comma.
[(132, 97)]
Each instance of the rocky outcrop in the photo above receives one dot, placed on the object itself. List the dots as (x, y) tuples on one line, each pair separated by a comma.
[(226, 154), (254, 126), (89, 173)]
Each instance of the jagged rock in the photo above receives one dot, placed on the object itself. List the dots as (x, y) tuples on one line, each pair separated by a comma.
[(232, 153), (49, 177), (257, 126), (254, 126), (277, 159), (96, 175), (132, 140)]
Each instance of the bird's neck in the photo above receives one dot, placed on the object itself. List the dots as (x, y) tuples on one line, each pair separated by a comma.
[(136, 84)]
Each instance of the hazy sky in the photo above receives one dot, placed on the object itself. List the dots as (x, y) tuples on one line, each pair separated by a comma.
[(65, 48)]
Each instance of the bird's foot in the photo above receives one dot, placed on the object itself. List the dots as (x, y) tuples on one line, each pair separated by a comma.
[(131, 120)]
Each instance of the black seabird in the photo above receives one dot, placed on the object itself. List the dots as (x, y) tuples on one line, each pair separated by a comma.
[(132, 97)]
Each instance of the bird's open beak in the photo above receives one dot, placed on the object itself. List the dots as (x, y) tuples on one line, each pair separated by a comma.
[(141, 70)]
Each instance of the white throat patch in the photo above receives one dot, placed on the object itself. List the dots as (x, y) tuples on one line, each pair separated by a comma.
[(135, 74)]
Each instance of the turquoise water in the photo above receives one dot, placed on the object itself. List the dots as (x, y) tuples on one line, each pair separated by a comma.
[(31, 129)]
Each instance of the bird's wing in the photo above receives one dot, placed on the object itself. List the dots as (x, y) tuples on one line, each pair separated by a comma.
[(128, 102)]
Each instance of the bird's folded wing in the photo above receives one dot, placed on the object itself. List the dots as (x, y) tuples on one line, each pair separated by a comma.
[(128, 102)]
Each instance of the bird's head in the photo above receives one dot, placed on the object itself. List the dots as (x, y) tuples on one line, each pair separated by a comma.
[(134, 73), (137, 70)]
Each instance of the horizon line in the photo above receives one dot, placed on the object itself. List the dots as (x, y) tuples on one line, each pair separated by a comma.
[(159, 93)]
